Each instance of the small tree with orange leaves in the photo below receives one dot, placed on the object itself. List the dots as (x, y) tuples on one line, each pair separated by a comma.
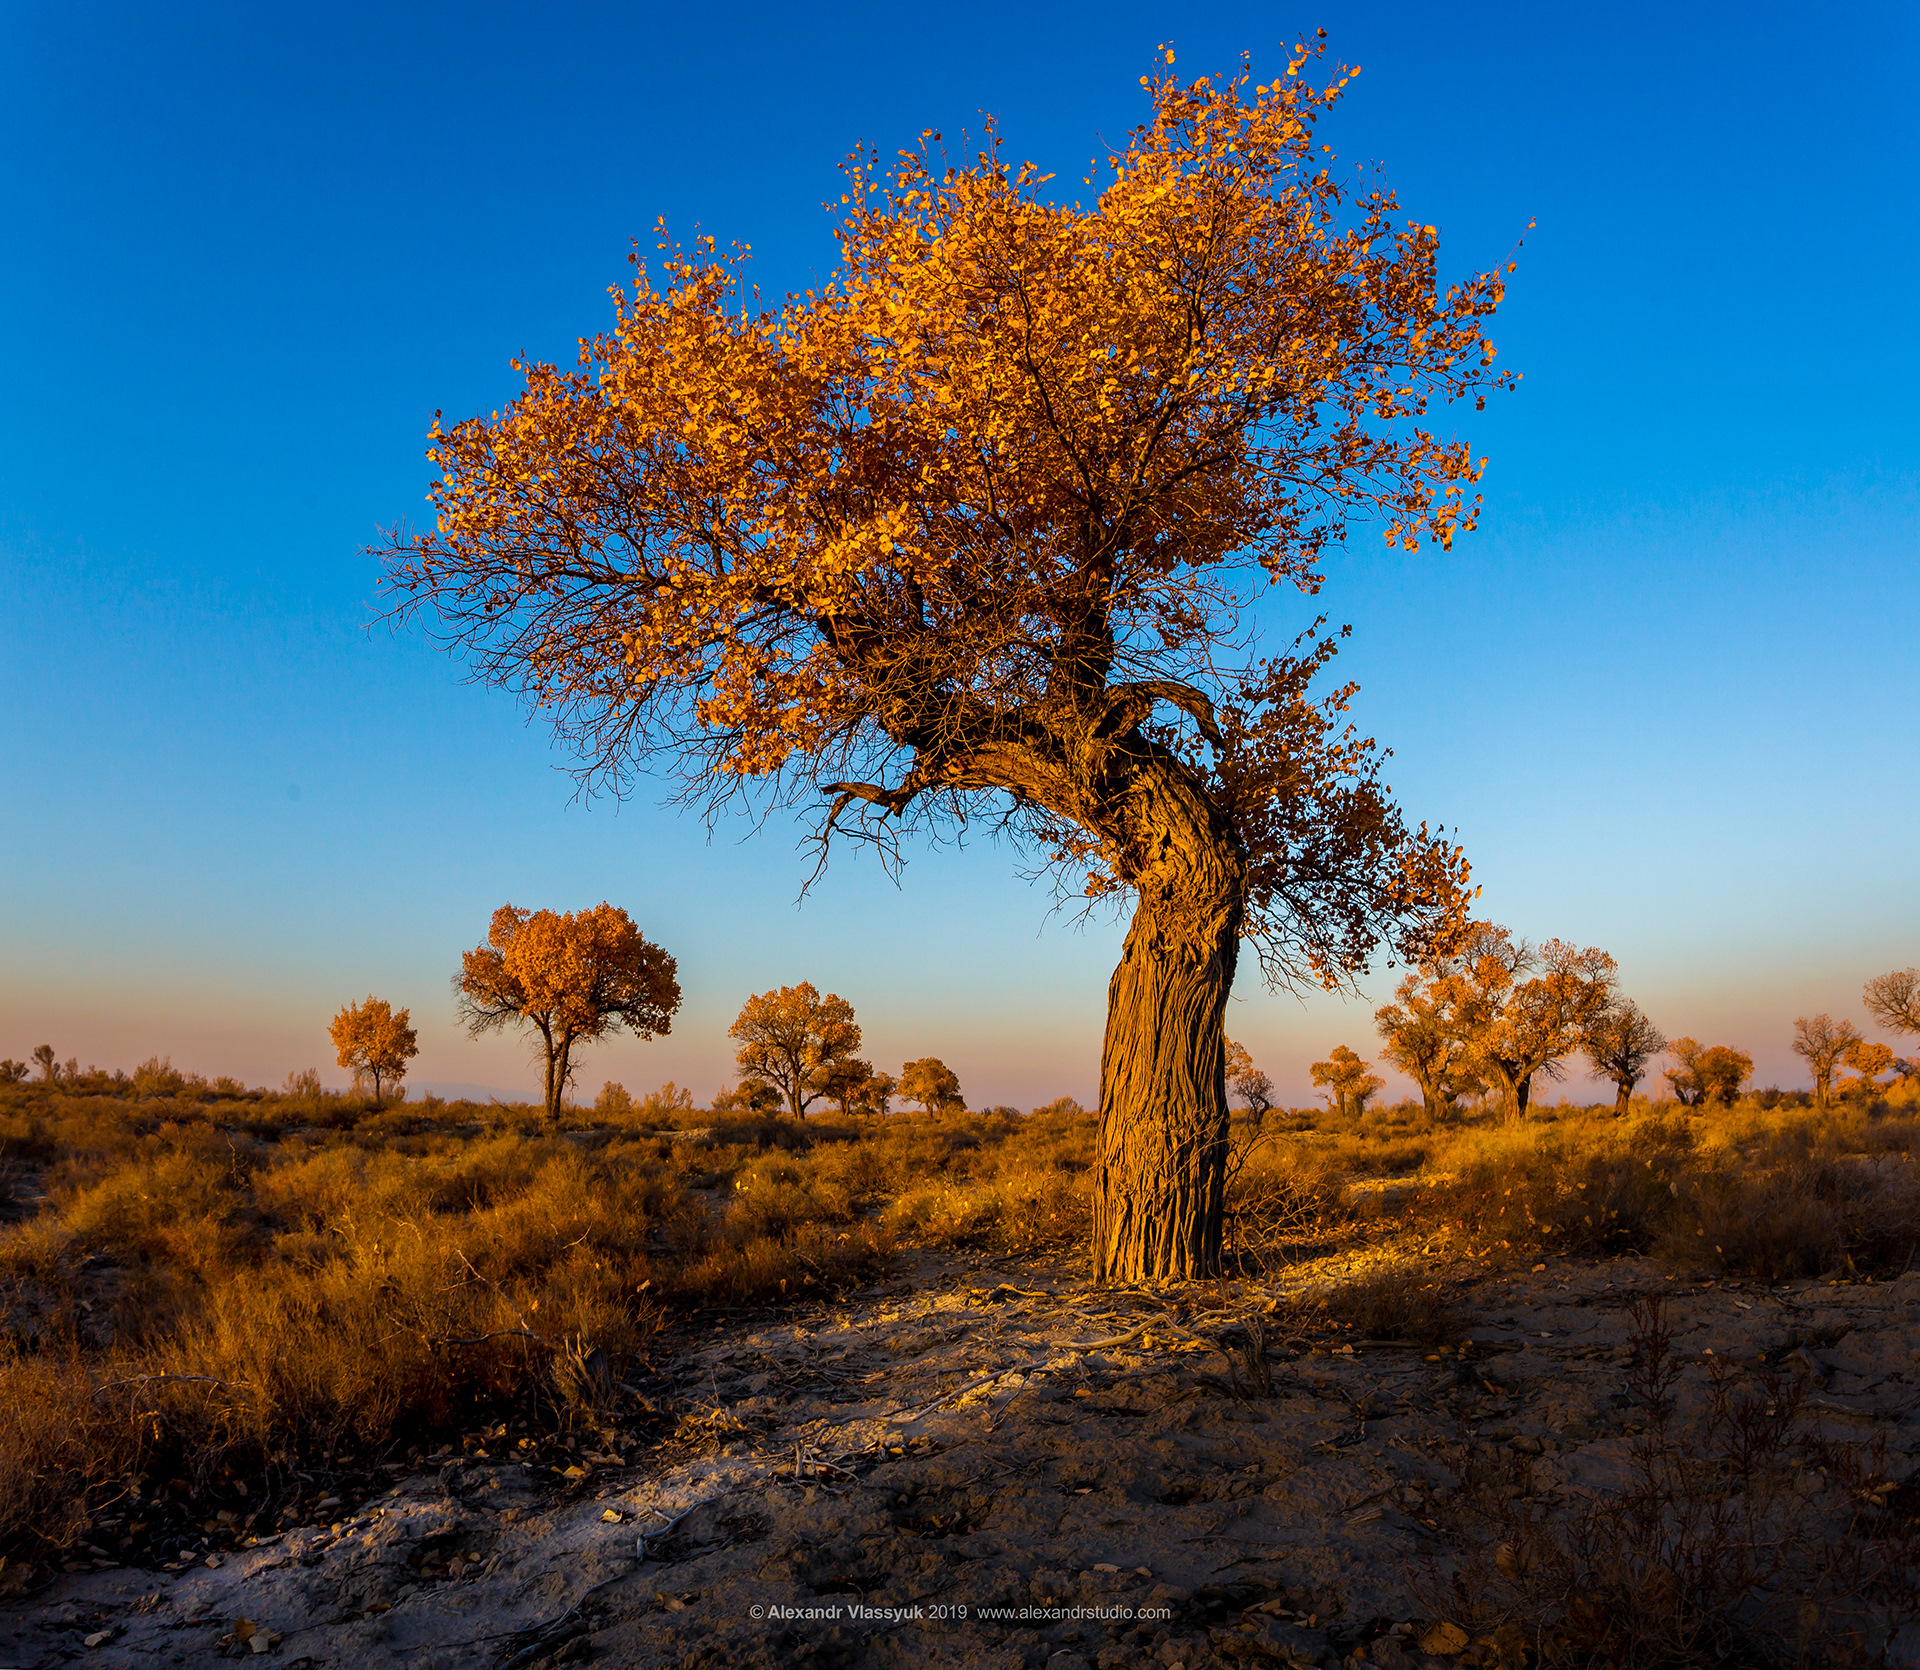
[(794, 1038), (1348, 1084), (571, 978), (1522, 1010), (974, 530), (373, 1040)]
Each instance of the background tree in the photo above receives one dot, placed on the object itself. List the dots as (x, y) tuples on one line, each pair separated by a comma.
[(1720, 1072), (933, 1084), (1348, 1083), (12, 1072), (47, 1062), (845, 1082), (1684, 1079), (1424, 1041), (1894, 999), (1516, 1026), (1869, 1061), (876, 1095), (371, 1039), (1822, 1042), (571, 978), (1246, 1081), (1619, 1041), (791, 1037), (972, 529), (753, 1096)]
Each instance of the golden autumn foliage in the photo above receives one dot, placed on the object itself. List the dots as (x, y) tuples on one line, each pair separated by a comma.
[(933, 1084), (571, 978), (799, 1042), (1521, 1009), (1344, 1076), (372, 1039), (975, 529), (1708, 1075), (1424, 1040)]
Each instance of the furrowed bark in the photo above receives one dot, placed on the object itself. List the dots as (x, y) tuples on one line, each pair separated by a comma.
[(1159, 1195)]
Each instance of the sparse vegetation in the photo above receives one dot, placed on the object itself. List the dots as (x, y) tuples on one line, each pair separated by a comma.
[(210, 1291), (1741, 1536)]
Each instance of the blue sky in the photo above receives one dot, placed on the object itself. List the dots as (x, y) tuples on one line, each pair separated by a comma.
[(1666, 695)]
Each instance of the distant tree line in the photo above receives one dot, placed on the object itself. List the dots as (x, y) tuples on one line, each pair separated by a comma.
[(1496, 1013), (1488, 1017)]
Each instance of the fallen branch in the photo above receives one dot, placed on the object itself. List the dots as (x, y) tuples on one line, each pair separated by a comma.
[(498, 1333), (971, 1386), (1103, 1344), (149, 1379)]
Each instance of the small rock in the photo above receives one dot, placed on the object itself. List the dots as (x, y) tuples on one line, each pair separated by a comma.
[(1527, 1444), (99, 1638), (1444, 1640), (1388, 1654), (213, 1562)]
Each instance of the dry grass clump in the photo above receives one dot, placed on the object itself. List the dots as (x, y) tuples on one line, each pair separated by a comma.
[(994, 1181), (1404, 1304), (1739, 1539), (1281, 1192), (1755, 1193), (58, 1446), (1808, 1199)]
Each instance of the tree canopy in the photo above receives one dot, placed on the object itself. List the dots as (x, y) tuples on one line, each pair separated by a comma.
[(952, 526), (797, 1041), (571, 978), (372, 1039)]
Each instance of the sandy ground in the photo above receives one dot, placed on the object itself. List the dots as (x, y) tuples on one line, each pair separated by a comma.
[(869, 1481)]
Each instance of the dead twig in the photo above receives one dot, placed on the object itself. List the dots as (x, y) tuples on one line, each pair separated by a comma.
[(150, 1379)]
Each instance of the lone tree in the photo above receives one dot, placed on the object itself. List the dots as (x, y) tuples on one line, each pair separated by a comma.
[(1822, 1043), (973, 530), (1345, 1078), (572, 979), (1423, 1040), (1620, 1041), (1516, 1026), (793, 1039), (933, 1084), (1246, 1081), (1707, 1074), (373, 1040)]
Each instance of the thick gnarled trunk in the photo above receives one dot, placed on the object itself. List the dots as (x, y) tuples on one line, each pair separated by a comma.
[(1159, 1196)]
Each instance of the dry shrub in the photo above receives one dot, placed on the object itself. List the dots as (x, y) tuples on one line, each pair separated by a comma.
[(757, 1269), (1398, 1304), (1763, 1194), (1280, 1192), (1534, 1190), (1738, 1540), (1807, 1200), (57, 1445)]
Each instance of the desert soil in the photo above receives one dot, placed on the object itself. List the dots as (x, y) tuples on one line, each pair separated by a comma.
[(988, 1434)]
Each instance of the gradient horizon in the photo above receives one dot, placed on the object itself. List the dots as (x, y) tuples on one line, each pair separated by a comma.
[(1665, 695)]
